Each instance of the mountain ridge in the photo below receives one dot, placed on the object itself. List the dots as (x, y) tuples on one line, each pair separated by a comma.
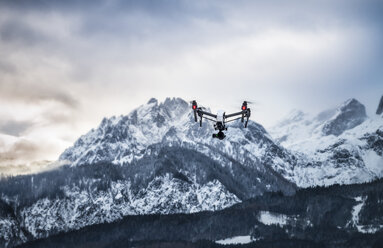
[(157, 160), (154, 160), (328, 158)]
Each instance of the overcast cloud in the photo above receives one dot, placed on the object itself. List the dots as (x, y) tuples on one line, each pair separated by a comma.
[(64, 65)]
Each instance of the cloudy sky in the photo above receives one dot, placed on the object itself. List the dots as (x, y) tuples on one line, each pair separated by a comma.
[(64, 65)]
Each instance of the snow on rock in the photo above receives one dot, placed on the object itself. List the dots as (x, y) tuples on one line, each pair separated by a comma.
[(355, 218), (236, 240), (373, 162), (10, 232), (269, 218), (349, 115), (126, 140), (155, 160), (272, 218), (165, 195), (352, 153)]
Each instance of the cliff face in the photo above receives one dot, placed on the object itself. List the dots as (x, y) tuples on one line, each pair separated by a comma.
[(351, 114), (379, 111)]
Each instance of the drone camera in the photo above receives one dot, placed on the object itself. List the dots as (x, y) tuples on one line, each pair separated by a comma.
[(220, 135)]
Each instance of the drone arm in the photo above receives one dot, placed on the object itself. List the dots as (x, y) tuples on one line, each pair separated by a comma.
[(201, 116), (233, 119), (244, 113), (209, 119), (201, 112), (235, 114)]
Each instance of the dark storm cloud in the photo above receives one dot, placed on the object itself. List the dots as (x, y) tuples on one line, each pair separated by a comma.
[(127, 21), (36, 93), (107, 15), (153, 30), (16, 30), (111, 16), (22, 149), (164, 8), (14, 128), (78, 61)]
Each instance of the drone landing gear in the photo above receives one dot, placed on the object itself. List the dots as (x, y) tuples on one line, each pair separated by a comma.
[(220, 135)]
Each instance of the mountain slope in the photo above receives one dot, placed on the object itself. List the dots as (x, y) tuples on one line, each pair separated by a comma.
[(140, 136), (337, 216), (349, 115), (336, 146), (154, 160), (157, 160)]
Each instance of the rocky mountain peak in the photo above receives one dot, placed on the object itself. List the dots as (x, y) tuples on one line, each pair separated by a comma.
[(163, 162), (379, 111), (126, 138), (349, 115), (152, 101), (122, 138), (351, 104)]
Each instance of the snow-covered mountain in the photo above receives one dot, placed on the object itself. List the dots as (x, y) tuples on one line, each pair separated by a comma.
[(340, 145), (126, 139), (157, 159), (154, 160), (335, 216), (145, 132)]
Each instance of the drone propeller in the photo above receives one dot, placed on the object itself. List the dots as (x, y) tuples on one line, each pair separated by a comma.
[(249, 104), (194, 103), (252, 103)]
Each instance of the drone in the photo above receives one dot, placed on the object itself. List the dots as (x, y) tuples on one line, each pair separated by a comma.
[(221, 118)]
